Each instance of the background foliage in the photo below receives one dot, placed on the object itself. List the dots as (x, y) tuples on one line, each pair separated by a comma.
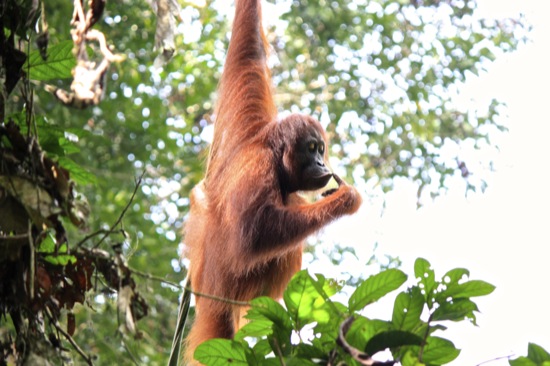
[(380, 75)]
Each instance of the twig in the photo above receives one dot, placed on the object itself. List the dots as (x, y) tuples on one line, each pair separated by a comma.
[(70, 339), (92, 235), (216, 298), (425, 339), (496, 359), (362, 357), (183, 313), (132, 357), (278, 351), (14, 237), (112, 229), (156, 278), (32, 263)]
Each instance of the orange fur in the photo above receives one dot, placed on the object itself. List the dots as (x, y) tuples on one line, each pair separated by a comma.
[(247, 224)]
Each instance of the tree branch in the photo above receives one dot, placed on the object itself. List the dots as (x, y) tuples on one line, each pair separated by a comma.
[(112, 229)]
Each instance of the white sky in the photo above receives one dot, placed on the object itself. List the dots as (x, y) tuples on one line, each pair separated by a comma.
[(501, 236)]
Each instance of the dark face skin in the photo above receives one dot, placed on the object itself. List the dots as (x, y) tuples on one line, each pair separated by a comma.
[(310, 154)]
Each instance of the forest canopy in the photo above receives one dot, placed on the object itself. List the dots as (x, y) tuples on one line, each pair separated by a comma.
[(105, 119)]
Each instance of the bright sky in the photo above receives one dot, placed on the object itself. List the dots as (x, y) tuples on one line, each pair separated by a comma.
[(501, 236)]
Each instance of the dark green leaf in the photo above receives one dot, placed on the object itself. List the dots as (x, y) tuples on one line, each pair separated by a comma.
[(255, 328), (537, 353), (77, 173), (58, 65), (455, 275), (455, 310), (523, 361), (299, 298), (262, 348), (376, 287), (467, 289), (309, 352), (407, 309), (391, 339), (439, 351), (267, 308), (426, 278), (272, 361), (298, 361), (221, 352), (363, 329)]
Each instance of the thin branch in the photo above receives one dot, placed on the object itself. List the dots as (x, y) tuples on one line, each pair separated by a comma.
[(425, 339), (362, 358), (92, 235), (112, 229), (216, 298), (32, 263), (496, 359), (14, 237), (156, 278), (132, 357), (87, 358), (277, 350)]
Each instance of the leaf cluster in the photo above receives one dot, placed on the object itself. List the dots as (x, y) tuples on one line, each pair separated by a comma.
[(312, 328), (46, 277)]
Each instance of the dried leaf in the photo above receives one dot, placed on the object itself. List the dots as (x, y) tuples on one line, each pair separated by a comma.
[(36, 200), (125, 296)]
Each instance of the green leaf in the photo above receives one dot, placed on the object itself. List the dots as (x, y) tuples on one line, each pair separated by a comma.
[(407, 309), (59, 258), (522, 361), (363, 329), (455, 275), (299, 298), (297, 361), (262, 348), (58, 65), (309, 352), (266, 308), (68, 146), (47, 245), (77, 173), (426, 278), (268, 362), (255, 328), (467, 289), (376, 287), (410, 358), (439, 351), (218, 352), (392, 339), (325, 287), (305, 299), (537, 353), (455, 310)]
